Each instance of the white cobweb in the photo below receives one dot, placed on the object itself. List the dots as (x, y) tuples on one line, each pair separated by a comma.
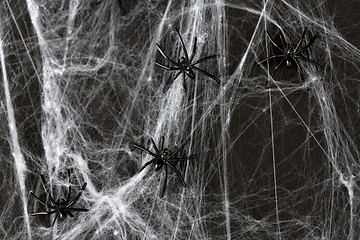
[(79, 84)]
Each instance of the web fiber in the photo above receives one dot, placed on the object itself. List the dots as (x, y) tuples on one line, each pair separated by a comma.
[(278, 157)]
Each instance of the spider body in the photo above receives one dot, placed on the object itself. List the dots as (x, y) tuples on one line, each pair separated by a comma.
[(164, 158), (61, 207), (185, 64), (291, 54)]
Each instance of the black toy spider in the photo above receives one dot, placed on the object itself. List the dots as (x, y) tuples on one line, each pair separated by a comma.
[(290, 53), (164, 157), (61, 207), (185, 65)]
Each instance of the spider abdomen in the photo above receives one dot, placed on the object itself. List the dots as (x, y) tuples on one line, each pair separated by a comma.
[(158, 165), (190, 73), (288, 63)]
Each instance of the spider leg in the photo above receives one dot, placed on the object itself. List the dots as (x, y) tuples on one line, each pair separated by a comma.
[(271, 57), (42, 213), (56, 216), (161, 143), (277, 67), (273, 42), (184, 83), (203, 59), (78, 210), (176, 151), (147, 164), (178, 173), (37, 198), (311, 61), (194, 51), (300, 68), (39, 213), (70, 214), (144, 149), (164, 55), (183, 158), (282, 39), (308, 45), (46, 190), (83, 186), (183, 45), (77, 196), (166, 67), (301, 40), (122, 9), (69, 190), (164, 182), (156, 149), (176, 76), (207, 74)]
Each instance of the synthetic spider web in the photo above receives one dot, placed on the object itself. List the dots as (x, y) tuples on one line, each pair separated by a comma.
[(275, 161)]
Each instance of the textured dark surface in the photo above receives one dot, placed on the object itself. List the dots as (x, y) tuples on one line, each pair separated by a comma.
[(306, 131)]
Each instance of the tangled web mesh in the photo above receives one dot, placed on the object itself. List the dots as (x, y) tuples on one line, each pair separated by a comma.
[(278, 157)]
